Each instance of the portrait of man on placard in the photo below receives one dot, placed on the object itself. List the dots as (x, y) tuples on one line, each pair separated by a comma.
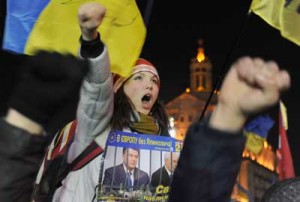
[(126, 174), (164, 174), (127, 169)]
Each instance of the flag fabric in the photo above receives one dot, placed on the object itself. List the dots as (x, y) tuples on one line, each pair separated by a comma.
[(55, 28), (285, 158), (254, 143), (19, 21), (256, 132), (284, 15)]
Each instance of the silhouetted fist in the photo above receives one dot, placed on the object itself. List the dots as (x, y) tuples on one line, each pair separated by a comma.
[(47, 83)]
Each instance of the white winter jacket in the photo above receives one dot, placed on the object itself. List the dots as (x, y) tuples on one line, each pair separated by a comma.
[(93, 116)]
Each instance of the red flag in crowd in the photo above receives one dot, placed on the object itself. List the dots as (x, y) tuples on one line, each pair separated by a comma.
[(286, 162)]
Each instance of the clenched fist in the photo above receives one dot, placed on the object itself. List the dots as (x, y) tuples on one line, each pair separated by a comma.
[(90, 16), (251, 86)]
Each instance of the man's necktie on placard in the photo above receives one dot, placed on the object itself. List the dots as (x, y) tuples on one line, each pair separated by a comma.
[(128, 181), (171, 178)]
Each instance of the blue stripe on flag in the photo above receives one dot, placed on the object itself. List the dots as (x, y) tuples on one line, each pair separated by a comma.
[(20, 19), (260, 125)]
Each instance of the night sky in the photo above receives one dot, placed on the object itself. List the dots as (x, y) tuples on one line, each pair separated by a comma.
[(174, 28), (228, 33)]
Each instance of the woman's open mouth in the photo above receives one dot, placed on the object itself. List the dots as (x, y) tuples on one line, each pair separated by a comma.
[(146, 101)]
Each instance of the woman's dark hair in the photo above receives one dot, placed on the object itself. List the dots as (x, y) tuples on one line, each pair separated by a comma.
[(123, 110)]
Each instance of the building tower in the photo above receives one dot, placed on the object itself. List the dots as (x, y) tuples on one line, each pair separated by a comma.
[(186, 108), (200, 71)]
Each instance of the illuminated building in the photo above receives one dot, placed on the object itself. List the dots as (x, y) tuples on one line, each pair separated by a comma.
[(187, 107), (258, 171)]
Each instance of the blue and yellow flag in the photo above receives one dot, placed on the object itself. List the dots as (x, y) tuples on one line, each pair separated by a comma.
[(54, 27), (284, 15), (256, 132), (19, 22)]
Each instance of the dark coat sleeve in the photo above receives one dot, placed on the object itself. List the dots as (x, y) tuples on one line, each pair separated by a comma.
[(155, 178), (160, 177), (107, 177), (208, 165), (144, 178), (20, 156)]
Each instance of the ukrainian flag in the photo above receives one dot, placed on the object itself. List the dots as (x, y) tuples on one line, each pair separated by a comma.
[(256, 132), (52, 25), (284, 15), (20, 20)]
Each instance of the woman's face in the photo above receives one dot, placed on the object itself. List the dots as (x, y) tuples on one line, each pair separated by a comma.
[(142, 89)]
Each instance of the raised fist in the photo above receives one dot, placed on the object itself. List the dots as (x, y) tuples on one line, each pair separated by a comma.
[(90, 16), (48, 82)]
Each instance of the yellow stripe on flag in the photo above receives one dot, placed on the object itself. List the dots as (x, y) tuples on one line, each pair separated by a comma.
[(283, 112), (281, 14), (122, 30), (254, 142)]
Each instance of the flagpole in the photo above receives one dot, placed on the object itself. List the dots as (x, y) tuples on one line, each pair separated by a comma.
[(226, 66), (147, 11)]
